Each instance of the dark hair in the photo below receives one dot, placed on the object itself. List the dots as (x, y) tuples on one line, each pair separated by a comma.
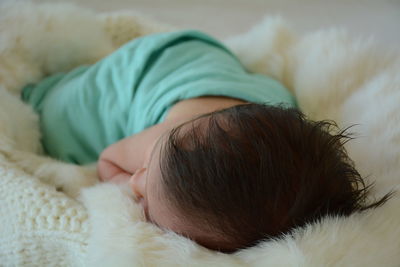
[(258, 171)]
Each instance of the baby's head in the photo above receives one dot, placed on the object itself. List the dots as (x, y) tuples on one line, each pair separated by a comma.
[(231, 178)]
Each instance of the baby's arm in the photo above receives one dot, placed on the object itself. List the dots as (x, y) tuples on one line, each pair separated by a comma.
[(120, 160)]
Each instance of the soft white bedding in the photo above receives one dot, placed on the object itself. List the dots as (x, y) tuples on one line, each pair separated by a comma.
[(333, 75)]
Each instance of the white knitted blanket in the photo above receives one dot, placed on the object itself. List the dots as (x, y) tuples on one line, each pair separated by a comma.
[(44, 221)]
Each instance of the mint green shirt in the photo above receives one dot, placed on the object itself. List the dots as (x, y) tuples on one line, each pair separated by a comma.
[(89, 108)]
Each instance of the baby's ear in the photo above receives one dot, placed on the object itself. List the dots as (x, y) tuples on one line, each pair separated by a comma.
[(137, 183)]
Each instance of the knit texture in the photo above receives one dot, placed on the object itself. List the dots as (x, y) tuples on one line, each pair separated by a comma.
[(39, 226)]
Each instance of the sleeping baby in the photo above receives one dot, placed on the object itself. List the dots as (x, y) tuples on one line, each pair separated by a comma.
[(212, 152)]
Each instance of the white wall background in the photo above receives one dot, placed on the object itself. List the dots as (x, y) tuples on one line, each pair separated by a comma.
[(222, 18)]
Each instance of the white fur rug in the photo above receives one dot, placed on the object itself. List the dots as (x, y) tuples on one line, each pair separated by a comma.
[(333, 75)]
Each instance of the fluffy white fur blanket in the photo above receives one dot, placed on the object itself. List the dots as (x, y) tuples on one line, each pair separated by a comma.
[(333, 75)]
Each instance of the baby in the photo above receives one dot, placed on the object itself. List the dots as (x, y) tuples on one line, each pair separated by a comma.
[(212, 152)]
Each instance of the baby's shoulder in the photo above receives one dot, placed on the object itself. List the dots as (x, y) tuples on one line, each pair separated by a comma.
[(190, 108)]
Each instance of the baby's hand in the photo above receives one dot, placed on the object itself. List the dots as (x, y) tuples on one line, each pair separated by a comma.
[(122, 177)]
